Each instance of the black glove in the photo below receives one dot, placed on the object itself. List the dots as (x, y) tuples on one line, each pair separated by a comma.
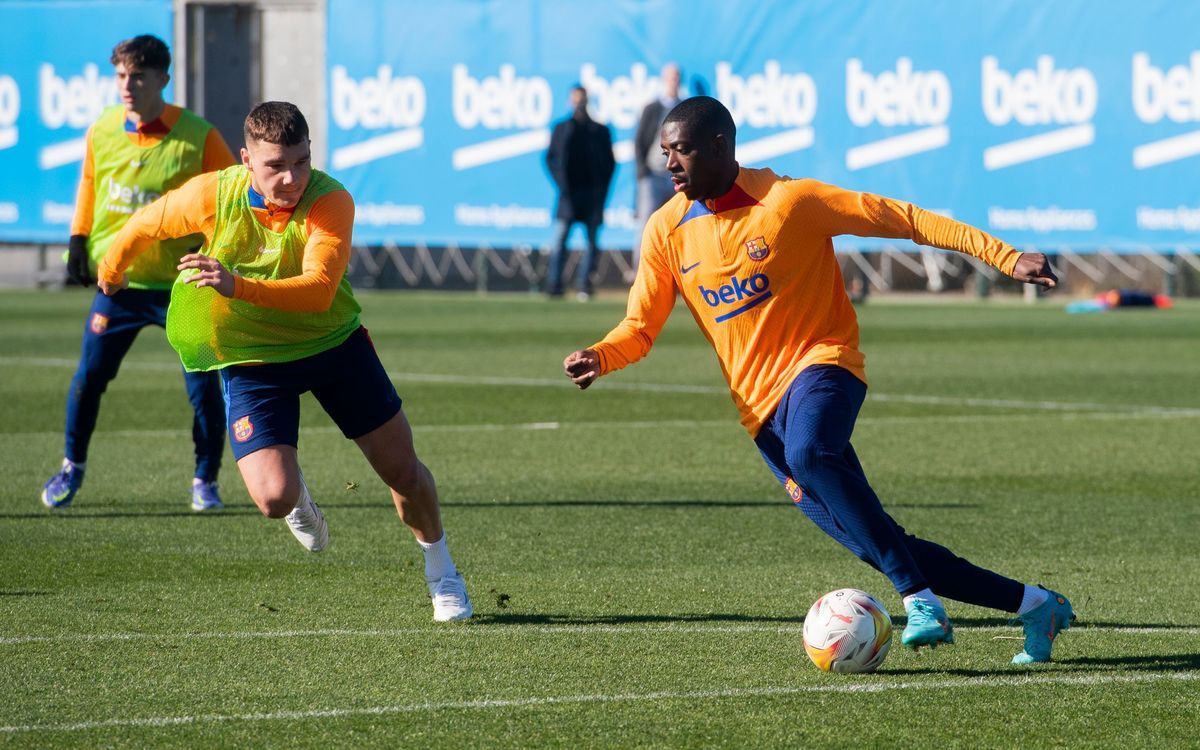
[(78, 271)]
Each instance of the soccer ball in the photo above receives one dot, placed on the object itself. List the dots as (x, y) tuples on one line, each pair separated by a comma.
[(847, 631)]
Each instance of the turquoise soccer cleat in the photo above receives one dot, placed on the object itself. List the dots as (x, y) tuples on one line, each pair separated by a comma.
[(1042, 624), (927, 625)]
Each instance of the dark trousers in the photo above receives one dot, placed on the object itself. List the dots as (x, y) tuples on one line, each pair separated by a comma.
[(807, 441), (558, 254), (110, 330)]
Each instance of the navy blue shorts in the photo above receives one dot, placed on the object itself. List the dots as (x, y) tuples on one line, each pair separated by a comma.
[(262, 402)]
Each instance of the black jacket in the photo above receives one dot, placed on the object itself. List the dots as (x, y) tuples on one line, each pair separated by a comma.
[(580, 160)]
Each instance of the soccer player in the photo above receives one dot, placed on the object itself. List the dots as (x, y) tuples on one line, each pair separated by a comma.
[(136, 151), (268, 306), (752, 255)]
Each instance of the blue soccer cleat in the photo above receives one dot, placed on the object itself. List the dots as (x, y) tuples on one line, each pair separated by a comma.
[(927, 625), (60, 489), (1042, 624), (205, 497)]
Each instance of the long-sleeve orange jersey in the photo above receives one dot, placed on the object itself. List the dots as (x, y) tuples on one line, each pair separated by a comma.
[(756, 268), (216, 156), (192, 208)]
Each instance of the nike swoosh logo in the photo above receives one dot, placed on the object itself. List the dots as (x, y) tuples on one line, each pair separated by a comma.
[(685, 269)]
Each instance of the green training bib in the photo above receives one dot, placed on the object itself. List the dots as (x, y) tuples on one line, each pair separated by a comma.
[(128, 177), (211, 332)]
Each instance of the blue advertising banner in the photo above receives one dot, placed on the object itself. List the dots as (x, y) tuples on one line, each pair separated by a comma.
[(1070, 123), (54, 81)]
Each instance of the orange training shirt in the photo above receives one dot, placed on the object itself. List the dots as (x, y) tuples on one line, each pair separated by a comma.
[(756, 268), (192, 208), (216, 156)]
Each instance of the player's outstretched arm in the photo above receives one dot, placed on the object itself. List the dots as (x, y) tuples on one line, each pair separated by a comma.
[(582, 367), (1034, 268), (189, 209)]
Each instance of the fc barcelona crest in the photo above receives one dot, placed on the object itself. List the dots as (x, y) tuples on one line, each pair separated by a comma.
[(757, 249), (99, 323), (243, 429)]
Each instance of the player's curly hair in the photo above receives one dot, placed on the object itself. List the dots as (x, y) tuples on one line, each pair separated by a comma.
[(703, 116), (280, 123), (141, 52)]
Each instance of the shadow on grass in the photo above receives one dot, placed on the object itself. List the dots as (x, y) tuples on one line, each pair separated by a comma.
[(781, 503), (19, 592), (78, 514), (173, 511), (1092, 665), (533, 618), (1141, 662), (505, 618)]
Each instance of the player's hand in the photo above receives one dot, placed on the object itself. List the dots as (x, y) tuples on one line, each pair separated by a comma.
[(111, 289), (78, 270), (1034, 268), (211, 273), (582, 367)]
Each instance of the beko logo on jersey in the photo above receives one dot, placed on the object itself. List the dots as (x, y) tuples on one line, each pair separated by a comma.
[(770, 99), (753, 291), (127, 198), (1172, 93), (382, 101), (1043, 95), (900, 97)]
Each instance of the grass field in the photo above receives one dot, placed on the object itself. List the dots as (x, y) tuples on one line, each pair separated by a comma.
[(639, 578)]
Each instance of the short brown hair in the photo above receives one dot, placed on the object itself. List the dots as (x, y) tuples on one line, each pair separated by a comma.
[(280, 123), (145, 51)]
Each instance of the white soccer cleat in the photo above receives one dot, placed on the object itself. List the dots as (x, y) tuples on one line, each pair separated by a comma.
[(307, 523), (450, 600)]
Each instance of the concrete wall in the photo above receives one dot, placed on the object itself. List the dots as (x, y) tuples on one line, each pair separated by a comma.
[(292, 56)]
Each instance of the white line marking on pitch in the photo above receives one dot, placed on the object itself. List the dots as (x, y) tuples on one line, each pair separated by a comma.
[(621, 385), (521, 630), (664, 695)]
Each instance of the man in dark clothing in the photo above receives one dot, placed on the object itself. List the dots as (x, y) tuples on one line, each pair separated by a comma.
[(580, 159), (654, 186)]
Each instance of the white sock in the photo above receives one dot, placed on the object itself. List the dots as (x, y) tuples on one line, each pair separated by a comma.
[(304, 502), (437, 559), (1032, 599), (923, 594)]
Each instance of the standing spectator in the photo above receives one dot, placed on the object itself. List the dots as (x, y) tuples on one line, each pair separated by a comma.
[(580, 159), (654, 186), (136, 151)]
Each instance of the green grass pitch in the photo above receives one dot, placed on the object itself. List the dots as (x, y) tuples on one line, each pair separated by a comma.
[(639, 578)]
